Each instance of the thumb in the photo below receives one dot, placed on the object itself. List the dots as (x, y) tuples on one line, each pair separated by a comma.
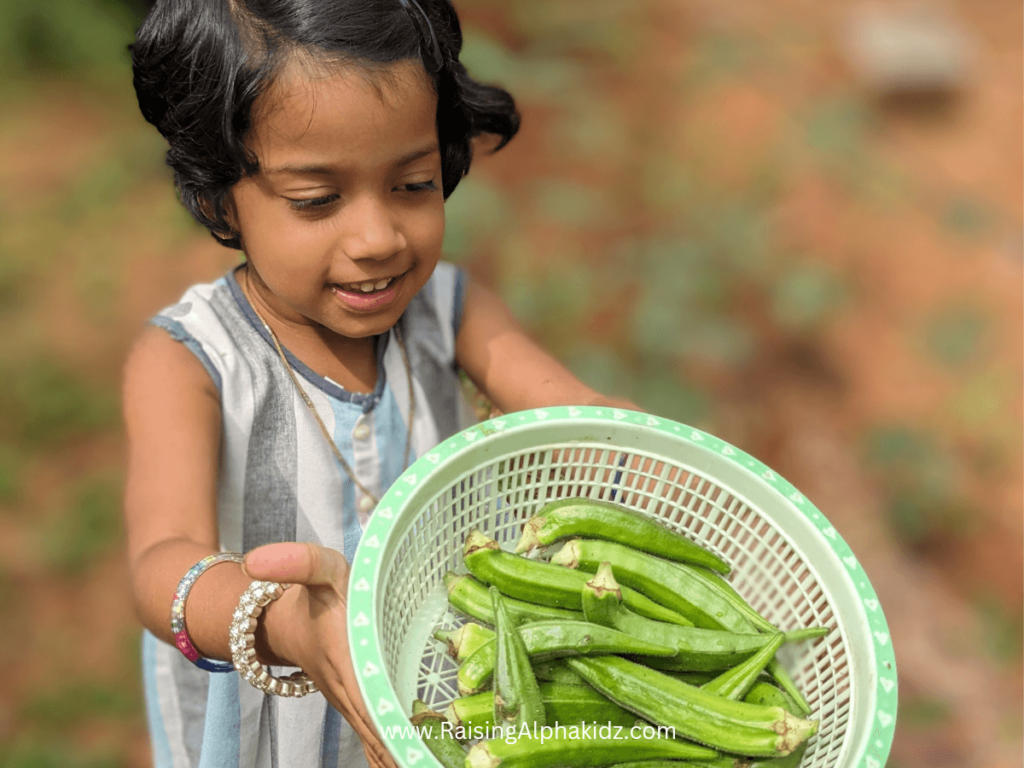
[(298, 563)]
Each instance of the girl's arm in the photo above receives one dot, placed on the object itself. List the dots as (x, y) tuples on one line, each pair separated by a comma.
[(172, 419), (509, 367), (173, 422)]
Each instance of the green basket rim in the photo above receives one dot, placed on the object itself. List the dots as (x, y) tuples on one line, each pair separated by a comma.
[(386, 711)]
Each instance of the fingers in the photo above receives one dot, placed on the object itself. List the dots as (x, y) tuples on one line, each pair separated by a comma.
[(298, 563), (378, 757)]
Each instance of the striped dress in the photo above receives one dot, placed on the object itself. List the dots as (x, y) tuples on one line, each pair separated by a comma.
[(280, 481)]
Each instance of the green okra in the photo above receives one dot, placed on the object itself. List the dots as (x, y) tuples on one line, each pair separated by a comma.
[(568, 752), (763, 692), (792, 760), (734, 683), (767, 694), (544, 583), (556, 639), (782, 677), (691, 678), (592, 519), (706, 650), (563, 704), (436, 735), (517, 699), (469, 595), (463, 640), (728, 592), (663, 581), (730, 726), (554, 671)]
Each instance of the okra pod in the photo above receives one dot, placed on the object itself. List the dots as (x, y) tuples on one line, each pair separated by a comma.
[(556, 639), (691, 678), (763, 692), (469, 595), (708, 650), (593, 752), (464, 640), (767, 694), (665, 582), (786, 683), (563, 704), (554, 671), (442, 744), (592, 519), (731, 726), (715, 583), (517, 700), (734, 683), (544, 583)]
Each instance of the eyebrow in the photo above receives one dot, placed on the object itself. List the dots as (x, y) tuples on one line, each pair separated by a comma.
[(316, 169)]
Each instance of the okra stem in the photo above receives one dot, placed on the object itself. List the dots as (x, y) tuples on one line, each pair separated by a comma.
[(464, 640), (699, 649), (667, 583), (445, 748)]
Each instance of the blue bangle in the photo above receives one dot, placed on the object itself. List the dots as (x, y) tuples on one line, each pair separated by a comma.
[(181, 638)]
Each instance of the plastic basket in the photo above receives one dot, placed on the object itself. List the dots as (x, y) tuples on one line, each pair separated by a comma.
[(788, 561)]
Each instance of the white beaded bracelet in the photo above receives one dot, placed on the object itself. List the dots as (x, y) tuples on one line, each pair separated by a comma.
[(243, 642)]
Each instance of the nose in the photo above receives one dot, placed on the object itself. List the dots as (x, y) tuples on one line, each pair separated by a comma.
[(372, 230)]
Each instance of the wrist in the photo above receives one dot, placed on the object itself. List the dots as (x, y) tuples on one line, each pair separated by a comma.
[(276, 630)]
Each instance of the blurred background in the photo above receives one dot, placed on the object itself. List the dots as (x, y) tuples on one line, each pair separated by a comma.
[(796, 225)]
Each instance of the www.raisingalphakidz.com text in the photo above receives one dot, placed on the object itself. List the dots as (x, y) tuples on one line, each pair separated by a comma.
[(511, 734)]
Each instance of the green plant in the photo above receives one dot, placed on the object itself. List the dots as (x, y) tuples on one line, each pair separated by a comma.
[(45, 402), (920, 479), (84, 38), (89, 528)]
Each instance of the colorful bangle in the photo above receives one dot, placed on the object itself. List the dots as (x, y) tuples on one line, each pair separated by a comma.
[(243, 642), (181, 638)]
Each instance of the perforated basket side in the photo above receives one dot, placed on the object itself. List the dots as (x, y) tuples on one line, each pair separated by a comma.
[(788, 561)]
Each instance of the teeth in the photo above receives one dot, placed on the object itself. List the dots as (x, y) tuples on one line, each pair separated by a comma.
[(380, 285)]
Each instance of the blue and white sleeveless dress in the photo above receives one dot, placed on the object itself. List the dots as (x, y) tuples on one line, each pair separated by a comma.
[(280, 481)]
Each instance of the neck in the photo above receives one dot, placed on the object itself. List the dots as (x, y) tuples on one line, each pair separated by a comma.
[(350, 362)]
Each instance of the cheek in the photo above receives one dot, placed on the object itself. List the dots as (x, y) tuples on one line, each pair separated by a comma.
[(428, 230)]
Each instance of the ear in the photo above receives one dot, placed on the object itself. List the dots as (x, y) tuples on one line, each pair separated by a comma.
[(227, 214), (231, 213)]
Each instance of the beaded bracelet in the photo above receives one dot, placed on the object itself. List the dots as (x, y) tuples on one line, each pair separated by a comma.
[(181, 638), (243, 642)]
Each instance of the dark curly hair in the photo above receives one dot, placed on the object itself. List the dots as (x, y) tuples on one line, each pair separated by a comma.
[(200, 65)]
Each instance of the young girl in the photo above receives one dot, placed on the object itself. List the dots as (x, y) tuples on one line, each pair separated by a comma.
[(267, 412)]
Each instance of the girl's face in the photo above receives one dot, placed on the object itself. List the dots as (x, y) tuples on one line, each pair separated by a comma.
[(343, 224)]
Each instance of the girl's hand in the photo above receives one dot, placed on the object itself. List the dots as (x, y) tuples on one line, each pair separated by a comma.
[(615, 402), (306, 626)]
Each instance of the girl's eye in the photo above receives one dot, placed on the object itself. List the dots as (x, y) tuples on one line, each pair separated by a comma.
[(421, 186), (312, 202)]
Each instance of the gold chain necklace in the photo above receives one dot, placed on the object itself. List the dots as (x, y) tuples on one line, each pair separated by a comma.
[(312, 408)]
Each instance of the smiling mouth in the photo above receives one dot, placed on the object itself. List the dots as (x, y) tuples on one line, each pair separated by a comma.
[(370, 286)]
